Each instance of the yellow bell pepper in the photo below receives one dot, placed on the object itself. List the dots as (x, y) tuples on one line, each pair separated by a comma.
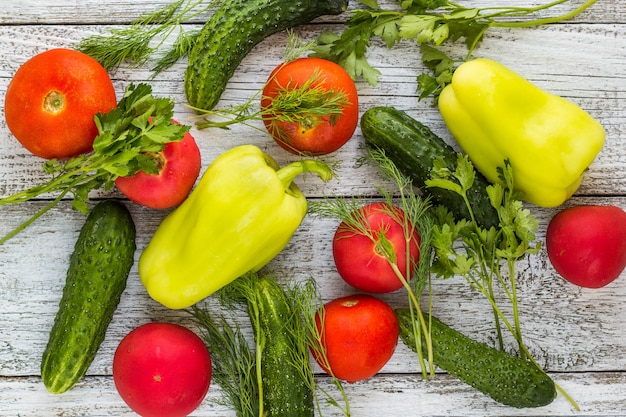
[(495, 114), (241, 214)]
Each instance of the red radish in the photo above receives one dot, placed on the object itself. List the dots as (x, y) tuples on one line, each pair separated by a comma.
[(162, 370), (362, 254), (586, 244)]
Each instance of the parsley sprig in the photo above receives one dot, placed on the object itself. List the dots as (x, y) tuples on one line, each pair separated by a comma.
[(483, 251), (139, 126), (486, 258), (430, 23)]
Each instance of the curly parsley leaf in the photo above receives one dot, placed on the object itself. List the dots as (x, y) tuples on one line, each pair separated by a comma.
[(348, 49)]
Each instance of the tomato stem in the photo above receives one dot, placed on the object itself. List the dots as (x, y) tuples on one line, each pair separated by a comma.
[(54, 102)]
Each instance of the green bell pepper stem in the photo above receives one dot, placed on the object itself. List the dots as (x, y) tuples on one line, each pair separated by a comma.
[(289, 172)]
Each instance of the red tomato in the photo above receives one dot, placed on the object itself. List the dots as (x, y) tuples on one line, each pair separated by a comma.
[(51, 102), (313, 135), (360, 334), (162, 370), (179, 166), (360, 259), (587, 244)]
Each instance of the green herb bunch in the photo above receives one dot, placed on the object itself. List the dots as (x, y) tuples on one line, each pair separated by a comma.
[(486, 258), (140, 125), (417, 216), (431, 24), (237, 366), (146, 36)]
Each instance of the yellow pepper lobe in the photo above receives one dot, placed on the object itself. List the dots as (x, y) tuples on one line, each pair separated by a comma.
[(239, 217), (496, 114)]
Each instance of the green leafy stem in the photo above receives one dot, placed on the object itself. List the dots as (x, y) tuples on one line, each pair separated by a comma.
[(430, 23), (486, 257), (140, 125), (146, 35), (414, 216)]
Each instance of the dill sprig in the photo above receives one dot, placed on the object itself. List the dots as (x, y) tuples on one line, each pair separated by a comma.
[(238, 364), (416, 217), (234, 368), (309, 304), (305, 105), (146, 35)]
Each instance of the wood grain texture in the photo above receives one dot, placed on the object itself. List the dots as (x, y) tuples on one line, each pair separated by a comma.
[(578, 335), (386, 395)]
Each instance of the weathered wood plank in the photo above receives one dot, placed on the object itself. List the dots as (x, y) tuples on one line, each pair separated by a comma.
[(389, 395), (124, 11)]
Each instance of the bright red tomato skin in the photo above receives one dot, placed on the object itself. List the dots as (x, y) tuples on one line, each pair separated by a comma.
[(323, 137), (356, 257), (586, 244), (171, 186), (71, 77), (162, 370), (360, 334)]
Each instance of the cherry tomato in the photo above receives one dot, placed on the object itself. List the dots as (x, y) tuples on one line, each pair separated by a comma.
[(162, 370), (312, 134), (361, 259), (179, 166), (587, 244), (359, 333), (52, 99)]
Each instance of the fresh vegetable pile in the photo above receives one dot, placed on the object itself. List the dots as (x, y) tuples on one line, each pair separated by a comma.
[(449, 214)]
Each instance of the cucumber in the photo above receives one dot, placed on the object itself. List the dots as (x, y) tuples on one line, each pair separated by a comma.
[(96, 277), (285, 391), (413, 148), (232, 31), (508, 379)]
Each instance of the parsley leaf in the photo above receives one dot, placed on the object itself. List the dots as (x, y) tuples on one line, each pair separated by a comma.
[(485, 257), (429, 23), (139, 125), (348, 50)]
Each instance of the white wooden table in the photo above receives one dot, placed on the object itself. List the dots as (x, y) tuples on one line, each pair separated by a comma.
[(578, 335)]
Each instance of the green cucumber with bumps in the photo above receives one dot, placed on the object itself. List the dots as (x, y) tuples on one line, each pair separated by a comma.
[(508, 379), (413, 148), (232, 31), (285, 392), (96, 278)]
